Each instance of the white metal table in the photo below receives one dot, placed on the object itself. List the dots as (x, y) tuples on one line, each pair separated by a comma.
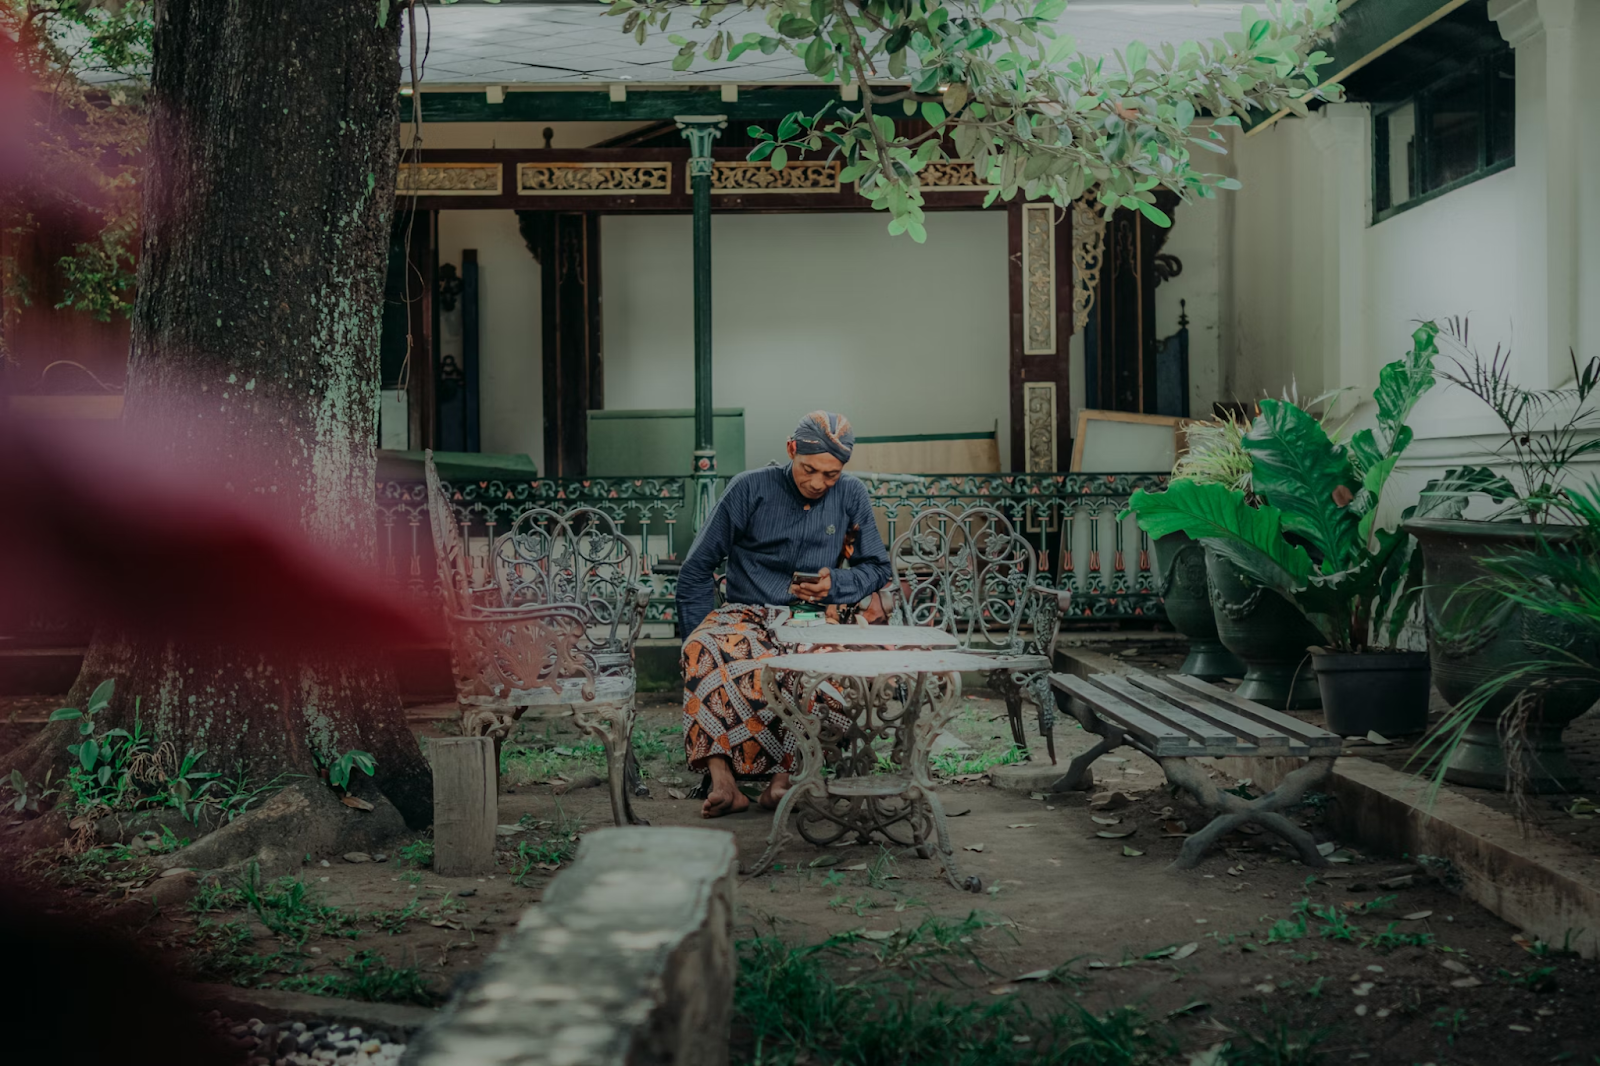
[(849, 780), (830, 634)]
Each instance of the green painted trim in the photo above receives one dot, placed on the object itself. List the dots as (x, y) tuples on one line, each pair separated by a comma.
[(914, 438), (1366, 30), (665, 412), (642, 105)]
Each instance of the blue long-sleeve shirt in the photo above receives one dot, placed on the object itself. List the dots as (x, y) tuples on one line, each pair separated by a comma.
[(766, 530)]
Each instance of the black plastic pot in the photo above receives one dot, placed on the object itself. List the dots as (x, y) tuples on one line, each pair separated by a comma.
[(1186, 594), (1374, 691)]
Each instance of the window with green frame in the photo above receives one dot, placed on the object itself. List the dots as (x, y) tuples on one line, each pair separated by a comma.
[(1449, 134)]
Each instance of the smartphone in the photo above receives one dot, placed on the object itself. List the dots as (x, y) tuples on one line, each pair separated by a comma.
[(802, 577)]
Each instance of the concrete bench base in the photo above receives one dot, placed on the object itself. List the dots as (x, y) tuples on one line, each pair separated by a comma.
[(628, 961)]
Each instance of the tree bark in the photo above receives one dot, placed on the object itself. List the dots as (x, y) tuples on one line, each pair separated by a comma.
[(254, 362)]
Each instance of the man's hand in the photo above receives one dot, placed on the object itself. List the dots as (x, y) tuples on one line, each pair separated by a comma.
[(813, 591)]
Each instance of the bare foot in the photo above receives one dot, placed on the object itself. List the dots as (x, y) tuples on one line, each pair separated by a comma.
[(724, 799), (774, 791)]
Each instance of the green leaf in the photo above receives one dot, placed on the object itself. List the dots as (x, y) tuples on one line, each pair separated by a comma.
[(101, 695), (933, 113), (1297, 469), (1154, 214), (1215, 511), (88, 752), (1446, 497), (1402, 382), (65, 714), (761, 151), (780, 158)]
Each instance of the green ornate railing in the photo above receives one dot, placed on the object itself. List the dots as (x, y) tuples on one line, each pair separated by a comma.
[(1070, 518)]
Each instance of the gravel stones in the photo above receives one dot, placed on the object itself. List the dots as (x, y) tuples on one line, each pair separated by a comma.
[(300, 1044)]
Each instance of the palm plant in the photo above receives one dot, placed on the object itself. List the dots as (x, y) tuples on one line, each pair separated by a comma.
[(1558, 581), (1546, 430)]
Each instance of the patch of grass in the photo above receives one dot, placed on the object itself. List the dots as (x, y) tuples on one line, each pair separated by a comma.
[(790, 1008), (1281, 1045), (224, 951), (292, 911), (418, 853), (1532, 978), (1373, 906), (214, 896), (367, 976), (955, 763), (1388, 940), (557, 847), (533, 760)]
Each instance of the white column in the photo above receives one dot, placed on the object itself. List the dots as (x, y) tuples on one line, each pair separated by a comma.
[(1343, 133), (1549, 134)]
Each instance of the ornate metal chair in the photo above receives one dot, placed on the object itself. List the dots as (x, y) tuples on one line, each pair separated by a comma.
[(553, 636), (971, 574)]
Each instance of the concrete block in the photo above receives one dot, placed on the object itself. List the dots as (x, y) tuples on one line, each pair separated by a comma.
[(628, 961), (1027, 776)]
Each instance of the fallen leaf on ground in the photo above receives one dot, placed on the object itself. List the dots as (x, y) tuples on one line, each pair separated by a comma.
[(1582, 808), (1109, 801), (1465, 982), (857, 866), (1131, 770), (1456, 967), (1175, 828), (1188, 1008), (1035, 975), (1132, 853), (676, 793), (357, 802), (1375, 737), (1002, 990), (1117, 834), (1022, 825), (1326, 847), (824, 860), (1053, 862), (1188, 949), (1415, 916), (1098, 820), (973, 847), (1236, 871), (877, 934)]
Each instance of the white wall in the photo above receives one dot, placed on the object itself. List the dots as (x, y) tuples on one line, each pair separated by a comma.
[(1195, 240), (816, 310), (510, 366)]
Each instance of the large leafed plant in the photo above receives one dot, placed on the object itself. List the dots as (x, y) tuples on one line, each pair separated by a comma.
[(1000, 86), (1310, 532)]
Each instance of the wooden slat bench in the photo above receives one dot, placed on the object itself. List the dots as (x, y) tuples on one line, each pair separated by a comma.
[(1176, 718)]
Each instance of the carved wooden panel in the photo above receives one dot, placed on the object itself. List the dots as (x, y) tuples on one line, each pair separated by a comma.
[(1088, 251), (1039, 279), (952, 176), (449, 179), (587, 179), (1039, 426), (746, 177)]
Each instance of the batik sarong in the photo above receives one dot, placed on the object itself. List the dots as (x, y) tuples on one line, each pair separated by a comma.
[(723, 709)]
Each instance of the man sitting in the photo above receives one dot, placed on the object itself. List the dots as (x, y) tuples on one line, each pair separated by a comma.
[(771, 525)]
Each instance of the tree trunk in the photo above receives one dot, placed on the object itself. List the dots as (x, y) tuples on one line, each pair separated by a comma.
[(255, 360)]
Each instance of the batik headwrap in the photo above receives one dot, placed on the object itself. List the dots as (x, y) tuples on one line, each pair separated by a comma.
[(824, 431)]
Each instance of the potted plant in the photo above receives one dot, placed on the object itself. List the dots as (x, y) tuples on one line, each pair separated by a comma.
[(1309, 544), (1502, 592), (1214, 453)]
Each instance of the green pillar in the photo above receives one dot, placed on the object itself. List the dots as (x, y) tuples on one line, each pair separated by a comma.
[(700, 131)]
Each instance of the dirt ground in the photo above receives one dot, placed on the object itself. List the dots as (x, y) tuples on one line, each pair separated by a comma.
[(1250, 942)]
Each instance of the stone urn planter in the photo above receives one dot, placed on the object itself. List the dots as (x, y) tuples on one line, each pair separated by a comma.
[(1269, 633), (1186, 593), (1475, 636)]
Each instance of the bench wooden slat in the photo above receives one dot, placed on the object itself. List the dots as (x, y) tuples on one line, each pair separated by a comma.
[(1267, 740), (1215, 739), (1319, 741), (1161, 739)]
